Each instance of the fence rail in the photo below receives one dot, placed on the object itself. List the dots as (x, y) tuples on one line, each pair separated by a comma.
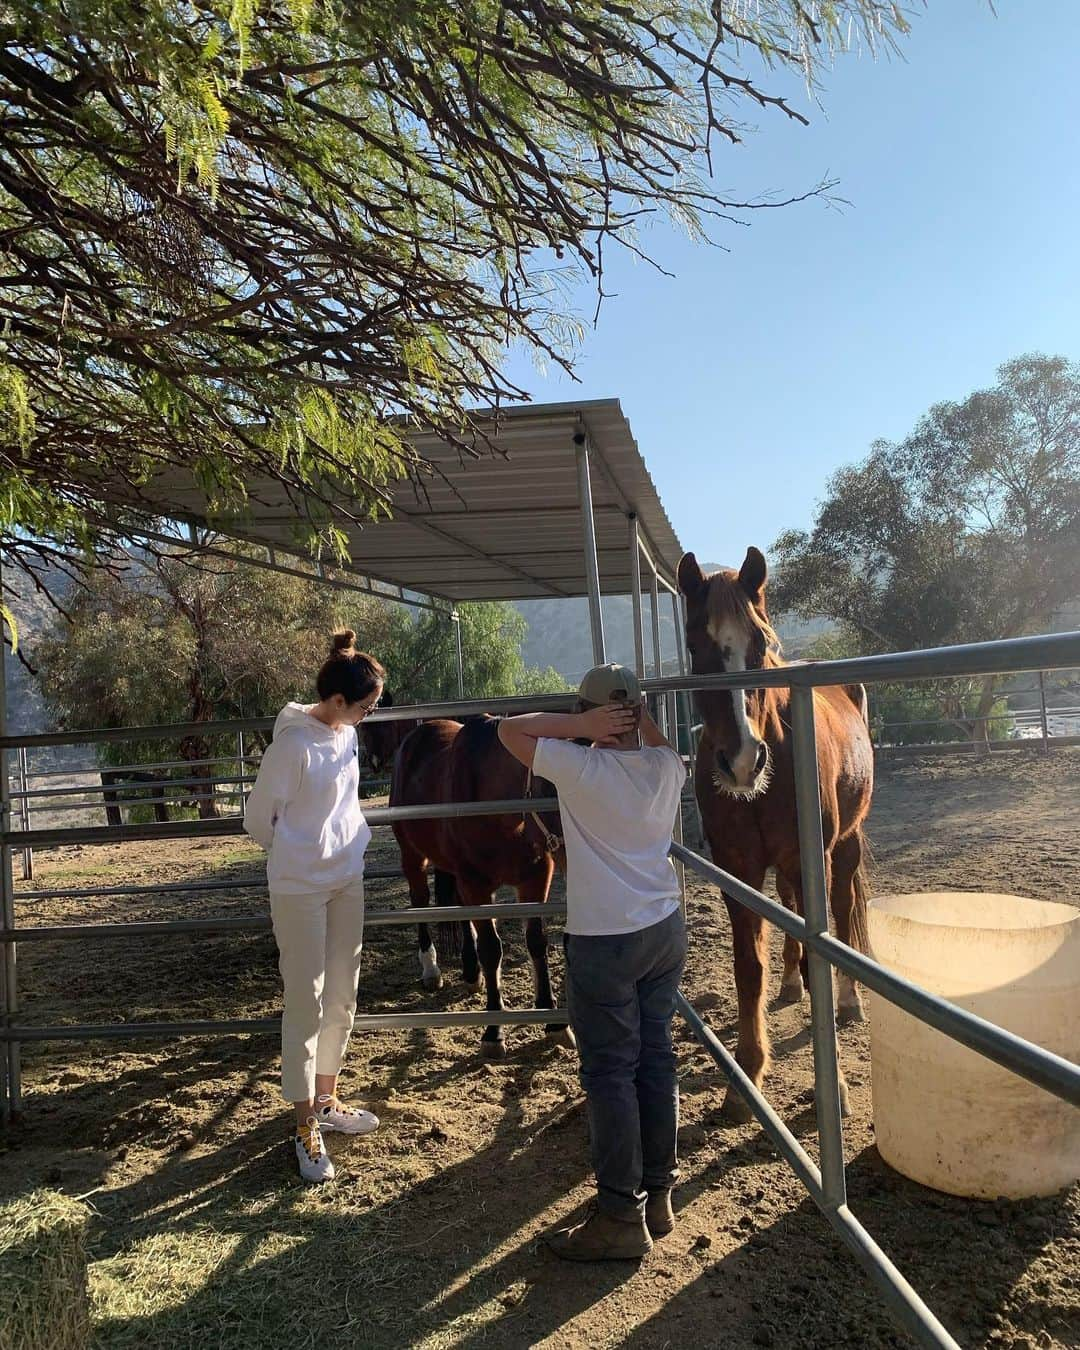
[(827, 1185)]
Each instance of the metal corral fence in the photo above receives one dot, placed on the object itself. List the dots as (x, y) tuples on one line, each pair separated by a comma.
[(1044, 725), (826, 1183)]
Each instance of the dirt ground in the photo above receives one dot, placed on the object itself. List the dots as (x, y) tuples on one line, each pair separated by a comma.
[(430, 1235)]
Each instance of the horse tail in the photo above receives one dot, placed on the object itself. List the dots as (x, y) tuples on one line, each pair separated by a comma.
[(857, 694), (401, 770), (451, 931), (860, 895)]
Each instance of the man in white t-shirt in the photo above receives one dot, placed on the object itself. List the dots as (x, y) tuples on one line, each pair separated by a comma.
[(625, 947)]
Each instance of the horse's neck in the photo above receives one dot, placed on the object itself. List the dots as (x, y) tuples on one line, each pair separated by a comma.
[(776, 705)]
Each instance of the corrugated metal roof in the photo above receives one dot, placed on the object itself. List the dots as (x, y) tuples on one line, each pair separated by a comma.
[(506, 526)]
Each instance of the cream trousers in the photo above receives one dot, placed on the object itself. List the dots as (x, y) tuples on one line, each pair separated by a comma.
[(319, 939)]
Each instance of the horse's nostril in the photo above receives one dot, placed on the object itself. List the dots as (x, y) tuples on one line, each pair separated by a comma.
[(723, 764), (762, 757)]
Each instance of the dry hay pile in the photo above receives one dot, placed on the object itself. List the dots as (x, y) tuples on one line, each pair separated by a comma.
[(43, 1298)]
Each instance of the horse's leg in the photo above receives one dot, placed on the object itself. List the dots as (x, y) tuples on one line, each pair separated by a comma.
[(751, 960), (414, 865), (113, 814), (466, 932), (470, 960), (792, 987), (844, 898), (535, 891), (489, 950), (792, 882), (456, 936), (796, 885)]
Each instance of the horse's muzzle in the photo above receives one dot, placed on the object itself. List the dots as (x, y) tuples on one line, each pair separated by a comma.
[(728, 778)]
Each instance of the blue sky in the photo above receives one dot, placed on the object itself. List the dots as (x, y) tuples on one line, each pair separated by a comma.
[(756, 372)]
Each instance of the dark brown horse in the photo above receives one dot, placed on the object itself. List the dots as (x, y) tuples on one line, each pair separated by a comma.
[(381, 739), (746, 792), (445, 761)]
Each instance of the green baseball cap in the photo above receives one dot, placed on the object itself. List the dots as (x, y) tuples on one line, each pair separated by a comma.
[(610, 684)]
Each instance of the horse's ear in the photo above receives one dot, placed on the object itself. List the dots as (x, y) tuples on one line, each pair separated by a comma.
[(691, 577), (752, 575)]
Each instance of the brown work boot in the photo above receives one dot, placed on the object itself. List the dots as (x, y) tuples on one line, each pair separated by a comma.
[(602, 1237), (659, 1216)]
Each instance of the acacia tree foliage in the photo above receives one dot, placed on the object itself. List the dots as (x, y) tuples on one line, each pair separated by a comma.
[(966, 531), (236, 235)]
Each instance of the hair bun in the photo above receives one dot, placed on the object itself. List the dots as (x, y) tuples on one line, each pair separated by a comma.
[(344, 641)]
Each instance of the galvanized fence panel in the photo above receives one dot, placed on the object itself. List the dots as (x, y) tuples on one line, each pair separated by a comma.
[(827, 1185)]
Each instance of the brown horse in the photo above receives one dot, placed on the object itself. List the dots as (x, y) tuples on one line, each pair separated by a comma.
[(745, 789), (381, 741), (445, 761)]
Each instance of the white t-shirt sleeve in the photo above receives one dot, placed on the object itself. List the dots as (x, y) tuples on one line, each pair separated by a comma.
[(560, 762), (675, 761)]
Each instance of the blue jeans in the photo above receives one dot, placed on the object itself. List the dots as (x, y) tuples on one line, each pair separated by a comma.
[(620, 992)]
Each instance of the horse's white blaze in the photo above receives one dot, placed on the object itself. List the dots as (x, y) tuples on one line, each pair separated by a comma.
[(429, 962), (732, 643)]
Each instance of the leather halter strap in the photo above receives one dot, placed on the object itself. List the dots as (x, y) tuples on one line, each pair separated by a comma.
[(552, 842)]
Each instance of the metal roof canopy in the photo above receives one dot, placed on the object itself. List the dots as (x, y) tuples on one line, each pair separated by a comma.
[(506, 526)]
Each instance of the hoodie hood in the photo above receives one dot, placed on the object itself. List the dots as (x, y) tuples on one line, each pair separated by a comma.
[(296, 717)]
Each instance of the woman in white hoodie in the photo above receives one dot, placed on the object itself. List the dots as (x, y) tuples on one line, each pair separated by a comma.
[(305, 811)]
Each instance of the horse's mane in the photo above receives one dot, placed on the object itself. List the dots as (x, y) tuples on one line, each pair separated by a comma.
[(730, 601), (477, 739)]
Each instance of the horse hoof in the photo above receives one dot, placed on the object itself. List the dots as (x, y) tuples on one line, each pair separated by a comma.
[(473, 986), (492, 1049), (792, 993), (735, 1110), (562, 1036), (432, 982), (845, 1101), (848, 1014)]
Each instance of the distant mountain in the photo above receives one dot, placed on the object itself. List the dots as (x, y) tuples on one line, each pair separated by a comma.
[(559, 633)]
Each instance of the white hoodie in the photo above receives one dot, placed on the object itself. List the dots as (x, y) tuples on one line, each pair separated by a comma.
[(305, 809)]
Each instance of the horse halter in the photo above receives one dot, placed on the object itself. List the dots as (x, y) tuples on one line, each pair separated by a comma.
[(552, 842)]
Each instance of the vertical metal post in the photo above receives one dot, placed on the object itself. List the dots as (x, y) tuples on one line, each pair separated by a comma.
[(816, 911), (635, 594), (679, 604), (592, 565), (672, 711), (241, 770), (658, 659), (455, 619), (24, 812), (11, 1098), (1042, 714), (671, 708), (680, 658)]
